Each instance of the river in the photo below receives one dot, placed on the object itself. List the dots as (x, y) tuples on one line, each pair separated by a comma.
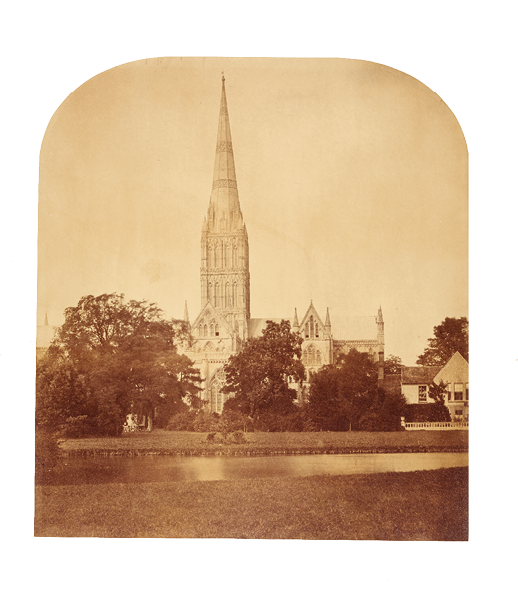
[(157, 469)]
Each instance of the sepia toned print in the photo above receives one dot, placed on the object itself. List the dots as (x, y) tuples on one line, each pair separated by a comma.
[(296, 356)]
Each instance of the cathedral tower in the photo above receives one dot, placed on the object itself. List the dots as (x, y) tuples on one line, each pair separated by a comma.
[(225, 275)]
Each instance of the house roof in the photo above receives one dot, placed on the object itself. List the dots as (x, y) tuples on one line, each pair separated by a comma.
[(418, 374), (456, 369)]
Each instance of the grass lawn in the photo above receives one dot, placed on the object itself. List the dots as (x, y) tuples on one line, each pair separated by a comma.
[(165, 442), (422, 505)]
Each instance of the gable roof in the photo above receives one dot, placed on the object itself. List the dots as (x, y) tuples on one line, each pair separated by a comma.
[(456, 369), (312, 311), (209, 309), (418, 374)]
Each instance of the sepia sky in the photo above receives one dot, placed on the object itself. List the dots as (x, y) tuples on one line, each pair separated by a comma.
[(352, 179)]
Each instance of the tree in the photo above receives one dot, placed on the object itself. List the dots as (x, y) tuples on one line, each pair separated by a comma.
[(393, 365), (259, 374), (124, 356), (450, 336), (341, 394)]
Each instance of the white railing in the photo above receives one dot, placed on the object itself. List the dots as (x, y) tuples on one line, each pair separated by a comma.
[(437, 425)]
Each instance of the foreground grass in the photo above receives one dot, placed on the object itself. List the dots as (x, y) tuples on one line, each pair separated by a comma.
[(165, 442), (422, 505)]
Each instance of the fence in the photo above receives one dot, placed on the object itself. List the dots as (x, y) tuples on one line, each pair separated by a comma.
[(437, 425)]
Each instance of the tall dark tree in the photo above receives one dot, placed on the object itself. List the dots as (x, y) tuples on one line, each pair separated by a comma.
[(450, 336), (260, 374), (124, 355), (341, 394)]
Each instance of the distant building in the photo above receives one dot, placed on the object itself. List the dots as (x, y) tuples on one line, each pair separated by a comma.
[(44, 335), (415, 384), (224, 321), (455, 373)]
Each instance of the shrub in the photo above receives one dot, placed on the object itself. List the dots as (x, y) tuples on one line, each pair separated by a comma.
[(232, 421), (77, 427), (181, 422), (237, 437), (207, 422), (426, 412)]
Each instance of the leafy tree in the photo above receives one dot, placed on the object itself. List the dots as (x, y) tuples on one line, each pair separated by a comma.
[(450, 336), (341, 394), (437, 391), (118, 358), (259, 374), (393, 365)]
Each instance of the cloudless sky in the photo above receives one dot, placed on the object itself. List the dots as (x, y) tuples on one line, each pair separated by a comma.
[(352, 180)]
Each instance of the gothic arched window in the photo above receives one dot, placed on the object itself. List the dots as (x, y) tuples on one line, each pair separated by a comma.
[(316, 330), (228, 295), (307, 330), (212, 330), (319, 358), (305, 357), (234, 294), (311, 355), (311, 327), (205, 330), (217, 330)]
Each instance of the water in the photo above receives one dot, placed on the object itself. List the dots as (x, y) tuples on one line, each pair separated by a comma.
[(159, 469)]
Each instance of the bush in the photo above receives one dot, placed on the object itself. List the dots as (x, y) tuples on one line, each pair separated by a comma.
[(232, 421), (237, 437), (207, 422), (77, 427), (426, 412), (181, 422)]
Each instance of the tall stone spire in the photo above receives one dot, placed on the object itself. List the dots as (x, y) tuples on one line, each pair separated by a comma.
[(225, 276), (224, 212)]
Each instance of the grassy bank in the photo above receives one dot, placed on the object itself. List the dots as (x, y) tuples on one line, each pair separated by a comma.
[(195, 443), (422, 505)]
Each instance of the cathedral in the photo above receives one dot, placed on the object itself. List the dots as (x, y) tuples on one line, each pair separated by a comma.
[(224, 321)]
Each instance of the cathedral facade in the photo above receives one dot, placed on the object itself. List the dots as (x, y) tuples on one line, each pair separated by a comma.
[(224, 321)]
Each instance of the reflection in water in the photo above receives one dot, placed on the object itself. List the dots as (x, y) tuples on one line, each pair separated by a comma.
[(154, 469)]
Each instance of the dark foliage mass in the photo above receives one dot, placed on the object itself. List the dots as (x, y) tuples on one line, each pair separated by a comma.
[(111, 358), (426, 412), (451, 336), (346, 396), (259, 375)]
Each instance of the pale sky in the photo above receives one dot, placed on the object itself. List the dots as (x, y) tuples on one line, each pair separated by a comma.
[(352, 180)]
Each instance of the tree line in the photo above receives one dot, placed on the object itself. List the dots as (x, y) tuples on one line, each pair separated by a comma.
[(112, 358)]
